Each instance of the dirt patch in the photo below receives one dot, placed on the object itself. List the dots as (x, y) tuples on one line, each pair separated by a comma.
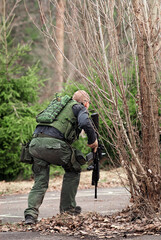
[(115, 177)]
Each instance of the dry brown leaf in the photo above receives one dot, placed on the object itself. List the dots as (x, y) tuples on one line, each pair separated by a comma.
[(91, 224)]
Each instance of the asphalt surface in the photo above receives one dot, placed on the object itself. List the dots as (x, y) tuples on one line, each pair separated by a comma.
[(37, 236), (109, 200)]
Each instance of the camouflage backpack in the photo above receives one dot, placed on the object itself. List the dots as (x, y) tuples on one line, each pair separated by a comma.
[(52, 111)]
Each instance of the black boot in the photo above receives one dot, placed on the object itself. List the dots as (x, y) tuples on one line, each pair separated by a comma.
[(74, 211), (30, 220)]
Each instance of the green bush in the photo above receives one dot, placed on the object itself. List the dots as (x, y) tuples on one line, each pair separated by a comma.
[(19, 86)]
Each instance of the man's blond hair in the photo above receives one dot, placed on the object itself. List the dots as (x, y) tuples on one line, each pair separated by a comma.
[(81, 96)]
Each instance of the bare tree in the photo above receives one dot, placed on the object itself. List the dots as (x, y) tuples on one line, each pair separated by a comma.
[(57, 31), (146, 25), (60, 8), (108, 39)]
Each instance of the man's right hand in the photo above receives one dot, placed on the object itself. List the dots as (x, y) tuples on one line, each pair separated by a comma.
[(94, 145)]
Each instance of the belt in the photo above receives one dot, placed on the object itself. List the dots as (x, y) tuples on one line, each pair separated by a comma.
[(35, 135), (41, 135)]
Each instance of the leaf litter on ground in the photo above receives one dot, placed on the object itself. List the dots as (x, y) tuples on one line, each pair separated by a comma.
[(86, 225), (91, 225)]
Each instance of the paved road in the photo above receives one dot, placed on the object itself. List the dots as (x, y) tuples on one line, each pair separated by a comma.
[(109, 200), (37, 236)]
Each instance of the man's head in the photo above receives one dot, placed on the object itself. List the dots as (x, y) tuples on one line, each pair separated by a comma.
[(83, 97)]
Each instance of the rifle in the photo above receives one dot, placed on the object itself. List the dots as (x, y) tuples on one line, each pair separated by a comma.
[(95, 156)]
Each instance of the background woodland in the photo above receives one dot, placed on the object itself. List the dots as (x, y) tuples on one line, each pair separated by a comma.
[(110, 49)]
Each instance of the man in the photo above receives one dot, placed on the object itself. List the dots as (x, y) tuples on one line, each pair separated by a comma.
[(51, 143)]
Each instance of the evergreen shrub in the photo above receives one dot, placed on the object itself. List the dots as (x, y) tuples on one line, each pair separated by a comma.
[(19, 87)]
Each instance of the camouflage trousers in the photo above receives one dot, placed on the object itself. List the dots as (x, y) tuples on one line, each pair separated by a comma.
[(46, 151)]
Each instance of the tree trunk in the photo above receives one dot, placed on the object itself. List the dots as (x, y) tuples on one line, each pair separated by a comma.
[(60, 44), (149, 103), (72, 46)]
